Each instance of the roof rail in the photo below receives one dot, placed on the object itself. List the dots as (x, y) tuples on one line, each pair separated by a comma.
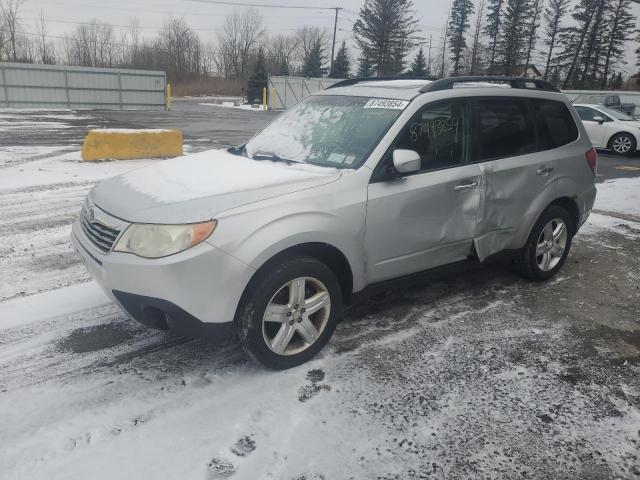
[(352, 81), (515, 82)]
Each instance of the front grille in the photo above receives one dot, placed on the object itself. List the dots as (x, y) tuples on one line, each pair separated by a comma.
[(100, 235)]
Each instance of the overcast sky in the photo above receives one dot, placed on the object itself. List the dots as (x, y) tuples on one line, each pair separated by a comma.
[(205, 17)]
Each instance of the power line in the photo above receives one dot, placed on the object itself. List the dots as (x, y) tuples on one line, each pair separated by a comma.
[(261, 5), (48, 20)]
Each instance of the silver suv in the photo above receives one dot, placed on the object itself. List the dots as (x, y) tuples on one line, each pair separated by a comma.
[(362, 183)]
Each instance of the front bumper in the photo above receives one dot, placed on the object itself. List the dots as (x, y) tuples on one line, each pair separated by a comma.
[(194, 293)]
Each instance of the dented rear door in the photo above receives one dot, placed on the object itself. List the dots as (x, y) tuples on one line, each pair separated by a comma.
[(514, 172)]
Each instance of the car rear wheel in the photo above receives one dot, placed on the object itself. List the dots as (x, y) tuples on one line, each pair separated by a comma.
[(289, 312), (548, 245), (623, 144)]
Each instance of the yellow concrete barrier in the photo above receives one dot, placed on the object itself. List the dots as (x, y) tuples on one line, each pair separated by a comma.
[(123, 144)]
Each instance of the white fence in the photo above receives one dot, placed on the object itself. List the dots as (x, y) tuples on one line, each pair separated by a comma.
[(284, 92), (80, 88)]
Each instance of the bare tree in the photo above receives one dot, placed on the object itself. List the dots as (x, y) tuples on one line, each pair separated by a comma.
[(280, 51), (9, 10), (45, 49), (311, 40), (240, 35)]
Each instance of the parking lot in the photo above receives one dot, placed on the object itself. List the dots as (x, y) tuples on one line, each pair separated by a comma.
[(470, 375)]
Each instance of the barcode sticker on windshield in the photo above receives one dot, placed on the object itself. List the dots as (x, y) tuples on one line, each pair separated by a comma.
[(386, 103)]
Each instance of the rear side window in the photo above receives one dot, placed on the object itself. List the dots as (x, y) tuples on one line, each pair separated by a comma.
[(506, 128), (556, 126)]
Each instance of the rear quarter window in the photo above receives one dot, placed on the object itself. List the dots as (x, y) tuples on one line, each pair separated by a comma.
[(506, 128), (556, 126)]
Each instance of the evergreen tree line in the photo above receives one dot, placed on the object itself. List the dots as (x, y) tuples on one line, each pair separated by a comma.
[(573, 43)]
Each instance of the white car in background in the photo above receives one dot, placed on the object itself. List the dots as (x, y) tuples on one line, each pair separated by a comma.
[(610, 129)]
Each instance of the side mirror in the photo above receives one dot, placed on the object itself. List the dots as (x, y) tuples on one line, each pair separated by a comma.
[(599, 119), (406, 161)]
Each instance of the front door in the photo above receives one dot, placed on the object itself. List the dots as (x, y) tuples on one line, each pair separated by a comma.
[(597, 131), (428, 218)]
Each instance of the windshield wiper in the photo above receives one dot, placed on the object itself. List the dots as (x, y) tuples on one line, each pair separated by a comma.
[(272, 157)]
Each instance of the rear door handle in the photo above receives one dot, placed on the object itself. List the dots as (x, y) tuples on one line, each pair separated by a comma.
[(465, 186), (544, 170)]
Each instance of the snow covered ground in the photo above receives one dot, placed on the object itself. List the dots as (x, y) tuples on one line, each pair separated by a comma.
[(480, 375)]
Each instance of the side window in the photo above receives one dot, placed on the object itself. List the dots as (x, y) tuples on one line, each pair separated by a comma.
[(439, 132), (506, 128), (587, 114), (556, 126)]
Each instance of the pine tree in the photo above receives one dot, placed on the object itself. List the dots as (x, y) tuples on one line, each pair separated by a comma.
[(553, 16), (493, 28), (461, 12), (513, 39), (418, 67), (364, 66), (313, 65), (616, 83), (620, 25), (386, 30), (475, 48), (593, 44), (574, 38), (535, 13), (258, 78), (341, 64)]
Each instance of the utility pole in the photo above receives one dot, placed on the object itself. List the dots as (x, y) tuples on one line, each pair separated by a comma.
[(333, 44)]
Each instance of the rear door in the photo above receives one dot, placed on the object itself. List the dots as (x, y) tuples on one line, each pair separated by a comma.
[(428, 218), (515, 172)]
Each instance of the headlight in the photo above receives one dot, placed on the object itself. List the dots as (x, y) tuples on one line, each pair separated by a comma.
[(155, 241)]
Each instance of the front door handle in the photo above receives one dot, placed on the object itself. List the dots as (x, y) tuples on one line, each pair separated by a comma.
[(465, 186), (544, 170)]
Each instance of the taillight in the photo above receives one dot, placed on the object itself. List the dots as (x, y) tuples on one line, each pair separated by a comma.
[(592, 160)]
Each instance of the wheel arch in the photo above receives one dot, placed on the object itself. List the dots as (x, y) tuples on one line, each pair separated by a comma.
[(328, 254)]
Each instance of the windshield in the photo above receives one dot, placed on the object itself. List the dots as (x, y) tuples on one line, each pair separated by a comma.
[(336, 131), (616, 114)]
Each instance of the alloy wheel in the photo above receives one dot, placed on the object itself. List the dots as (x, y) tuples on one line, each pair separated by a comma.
[(622, 144), (296, 316), (551, 244)]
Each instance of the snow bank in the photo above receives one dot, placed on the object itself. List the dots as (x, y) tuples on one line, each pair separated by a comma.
[(619, 195)]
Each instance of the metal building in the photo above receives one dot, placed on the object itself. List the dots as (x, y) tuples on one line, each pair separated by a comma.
[(80, 88)]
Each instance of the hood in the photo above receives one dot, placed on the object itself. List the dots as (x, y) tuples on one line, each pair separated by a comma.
[(199, 187)]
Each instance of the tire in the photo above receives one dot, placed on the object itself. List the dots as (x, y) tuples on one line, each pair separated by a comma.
[(623, 144), (280, 286), (544, 255)]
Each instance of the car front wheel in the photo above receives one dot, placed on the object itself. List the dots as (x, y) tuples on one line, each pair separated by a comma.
[(548, 245), (289, 312)]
